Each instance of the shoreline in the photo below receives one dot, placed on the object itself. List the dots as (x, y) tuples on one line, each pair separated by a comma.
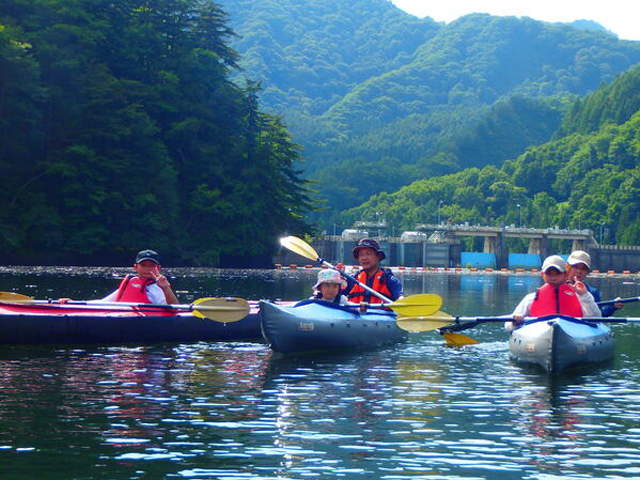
[(179, 271)]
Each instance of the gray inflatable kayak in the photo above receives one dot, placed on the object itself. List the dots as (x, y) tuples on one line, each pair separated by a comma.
[(316, 325), (555, 343)]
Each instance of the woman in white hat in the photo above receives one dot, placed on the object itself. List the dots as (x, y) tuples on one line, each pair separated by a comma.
[(329, 286), (579, 266)]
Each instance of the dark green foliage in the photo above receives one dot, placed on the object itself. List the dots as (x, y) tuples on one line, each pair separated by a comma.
[(121, 129), (311, 53), (527, 121), (614, 103)]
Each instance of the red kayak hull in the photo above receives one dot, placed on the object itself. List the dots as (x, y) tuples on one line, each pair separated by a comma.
[(74, 324)]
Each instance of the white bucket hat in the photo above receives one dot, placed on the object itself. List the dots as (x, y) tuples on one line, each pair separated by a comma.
[(579, 256), (329, 276), (554, 261)]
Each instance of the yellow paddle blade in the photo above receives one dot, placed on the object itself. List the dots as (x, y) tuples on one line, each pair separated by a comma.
[(425, 323), (421, 305), (221, 309), (458, 339), (300, 247), (11, 297)]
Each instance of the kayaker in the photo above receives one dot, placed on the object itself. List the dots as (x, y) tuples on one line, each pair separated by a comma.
[(382, 280), (579, 266), (148, 285), (556, 296), (329, 286)]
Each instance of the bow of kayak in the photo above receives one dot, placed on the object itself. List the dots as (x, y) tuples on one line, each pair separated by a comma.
[(558, 343)]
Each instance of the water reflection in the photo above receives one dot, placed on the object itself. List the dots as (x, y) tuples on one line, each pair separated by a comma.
[(236, 410), (415, 410)]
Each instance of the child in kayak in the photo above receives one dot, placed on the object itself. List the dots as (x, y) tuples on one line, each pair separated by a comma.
[(148, 285), (579, 266), (328, 287), (555, 296)]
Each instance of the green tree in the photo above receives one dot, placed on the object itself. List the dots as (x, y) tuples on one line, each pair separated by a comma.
[(138, 136)]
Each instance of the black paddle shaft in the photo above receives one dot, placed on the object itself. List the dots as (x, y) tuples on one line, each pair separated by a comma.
[(622, 300)]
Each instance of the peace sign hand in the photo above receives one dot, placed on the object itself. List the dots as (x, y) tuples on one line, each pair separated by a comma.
[(160, 279)]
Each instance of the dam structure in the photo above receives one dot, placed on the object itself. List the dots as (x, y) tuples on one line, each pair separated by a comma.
[(447, 245)]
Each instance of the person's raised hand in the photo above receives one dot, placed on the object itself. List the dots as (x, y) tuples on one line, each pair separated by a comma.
[(160, 279), (580, 288)]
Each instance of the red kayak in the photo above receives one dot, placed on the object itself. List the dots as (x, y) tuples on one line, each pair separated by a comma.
[(86, 324)]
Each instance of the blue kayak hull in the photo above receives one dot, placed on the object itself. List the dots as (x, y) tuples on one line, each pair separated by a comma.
[(313, 326), (558, 343)]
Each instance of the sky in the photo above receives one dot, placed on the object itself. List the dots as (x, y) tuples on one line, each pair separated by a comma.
[(622, 17)]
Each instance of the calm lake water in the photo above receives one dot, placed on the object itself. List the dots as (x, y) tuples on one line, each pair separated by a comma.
[(417, 410)]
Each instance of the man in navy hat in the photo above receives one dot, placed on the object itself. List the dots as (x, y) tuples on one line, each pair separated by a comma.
[(382, 280)]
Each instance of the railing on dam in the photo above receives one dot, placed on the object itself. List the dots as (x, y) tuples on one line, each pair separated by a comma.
[(509, 231)]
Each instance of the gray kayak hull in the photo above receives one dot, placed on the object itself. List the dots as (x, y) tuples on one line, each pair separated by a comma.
[(558, 343), (320, 326)]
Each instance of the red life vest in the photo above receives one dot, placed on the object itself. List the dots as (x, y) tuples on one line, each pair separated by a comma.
[(561, 299), (133, 289), (377, 283)]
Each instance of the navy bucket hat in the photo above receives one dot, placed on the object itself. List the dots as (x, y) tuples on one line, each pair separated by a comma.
[(368, 243)]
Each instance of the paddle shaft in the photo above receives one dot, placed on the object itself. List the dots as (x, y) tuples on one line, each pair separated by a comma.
[(302, 248), (622, 300), (181, 307), (472, 320)]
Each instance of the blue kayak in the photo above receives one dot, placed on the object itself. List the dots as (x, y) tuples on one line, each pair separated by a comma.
[(316, 325), (558, 342)]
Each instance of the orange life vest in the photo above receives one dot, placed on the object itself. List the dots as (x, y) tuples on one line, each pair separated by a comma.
[(561, 299), (134, 289), (378, 283)]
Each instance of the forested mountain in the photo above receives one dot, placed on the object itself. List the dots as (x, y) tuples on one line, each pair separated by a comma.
[(309, 54), (121, 129), (134, 124), (614, 103), (367, 88), (589, 178)]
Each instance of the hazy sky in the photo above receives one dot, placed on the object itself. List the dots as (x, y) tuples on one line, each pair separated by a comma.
[(620, 16)]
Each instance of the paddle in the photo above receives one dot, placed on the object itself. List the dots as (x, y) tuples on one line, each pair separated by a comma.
[(441, 320), (222, 310), (437, 321), (622, 300), (423, 304), (458, 340), (303, 249), (14, 297)]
